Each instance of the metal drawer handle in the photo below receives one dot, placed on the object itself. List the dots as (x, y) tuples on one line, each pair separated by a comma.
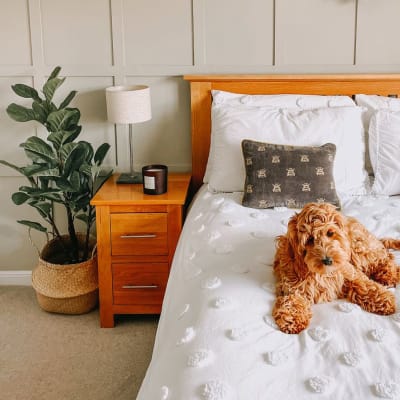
[(139, 286), (150, 235)]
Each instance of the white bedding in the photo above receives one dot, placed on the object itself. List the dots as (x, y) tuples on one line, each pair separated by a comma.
[(217, 340)]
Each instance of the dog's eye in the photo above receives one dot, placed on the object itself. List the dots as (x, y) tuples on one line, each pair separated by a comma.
[(330, 233), (310, 240)]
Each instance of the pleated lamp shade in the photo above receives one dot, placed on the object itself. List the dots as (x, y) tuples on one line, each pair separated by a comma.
[(128, 104)]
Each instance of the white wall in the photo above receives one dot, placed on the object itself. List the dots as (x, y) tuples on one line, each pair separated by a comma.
[(99, 43)]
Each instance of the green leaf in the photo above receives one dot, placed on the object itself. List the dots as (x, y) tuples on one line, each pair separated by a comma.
[(56, 138), (26, 91), (48, 172), (19, 198), (30, 190), (54, 73), (20, 113), (101, 179), (40, 112), (57, 120), (63, 184), (37, 150), (33, 225), (33, 169), (60, 137), (74, 155), (75, 116), (51, 86), (75, 181), (80, 205), (82, 217), (43, 207), (66, 150), (50, 107), (101, 152), (43, 182), (62, 119), (71, 185), (86, 169), (37, 194), (7, 164), (88, 150), (68, 99), (81, 201), (73, 133), (52, 196)]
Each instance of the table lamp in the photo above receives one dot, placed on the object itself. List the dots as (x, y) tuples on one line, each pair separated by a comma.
[(129, 105)]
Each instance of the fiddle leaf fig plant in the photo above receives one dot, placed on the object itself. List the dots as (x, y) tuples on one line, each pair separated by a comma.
[(59, 170)]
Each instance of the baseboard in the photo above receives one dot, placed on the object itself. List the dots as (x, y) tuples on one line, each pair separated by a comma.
[(21, 278)]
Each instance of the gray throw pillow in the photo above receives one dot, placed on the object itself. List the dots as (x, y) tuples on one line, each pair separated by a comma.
[(288, 176)]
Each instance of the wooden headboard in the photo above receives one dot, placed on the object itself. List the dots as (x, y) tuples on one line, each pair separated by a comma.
[(201, 86)]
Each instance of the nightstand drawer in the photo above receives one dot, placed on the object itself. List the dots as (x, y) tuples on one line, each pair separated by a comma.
[(139, 283), (139, 234)]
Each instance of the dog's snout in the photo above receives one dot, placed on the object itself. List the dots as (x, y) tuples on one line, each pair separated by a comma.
[(327, 260)]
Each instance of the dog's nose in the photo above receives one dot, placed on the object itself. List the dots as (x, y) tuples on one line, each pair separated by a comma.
[(327, 260)]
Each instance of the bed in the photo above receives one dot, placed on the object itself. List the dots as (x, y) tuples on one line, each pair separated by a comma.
[(216, 338)]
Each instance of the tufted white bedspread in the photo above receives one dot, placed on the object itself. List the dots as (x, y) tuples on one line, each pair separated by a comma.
[(217, 340)]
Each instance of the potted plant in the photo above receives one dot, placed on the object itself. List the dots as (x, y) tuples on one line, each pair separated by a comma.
[(64, 171)]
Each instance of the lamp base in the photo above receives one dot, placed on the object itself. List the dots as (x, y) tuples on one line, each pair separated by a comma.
[(136, 177)]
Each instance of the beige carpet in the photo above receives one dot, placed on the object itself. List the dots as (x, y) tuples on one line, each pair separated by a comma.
[(57, 357)]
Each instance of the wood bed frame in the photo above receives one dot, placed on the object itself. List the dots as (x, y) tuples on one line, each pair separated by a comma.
[(201, 86)]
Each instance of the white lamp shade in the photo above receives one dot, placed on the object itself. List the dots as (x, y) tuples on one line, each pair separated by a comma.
[(128, 104)]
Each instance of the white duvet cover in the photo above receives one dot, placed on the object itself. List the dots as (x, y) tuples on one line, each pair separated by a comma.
[(217, 340)]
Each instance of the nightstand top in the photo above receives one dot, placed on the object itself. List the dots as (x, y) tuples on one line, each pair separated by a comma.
[(112, 193)]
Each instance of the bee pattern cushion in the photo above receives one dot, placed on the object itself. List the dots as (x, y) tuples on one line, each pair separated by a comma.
[(288, 176)]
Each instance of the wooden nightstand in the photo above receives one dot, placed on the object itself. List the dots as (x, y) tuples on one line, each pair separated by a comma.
[(136, 240)]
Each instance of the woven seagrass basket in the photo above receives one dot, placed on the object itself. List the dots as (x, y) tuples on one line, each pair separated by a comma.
[(65, 289)]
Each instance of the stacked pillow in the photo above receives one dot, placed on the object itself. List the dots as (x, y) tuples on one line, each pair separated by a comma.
[(299, 101), (382, 124), (294, 120)]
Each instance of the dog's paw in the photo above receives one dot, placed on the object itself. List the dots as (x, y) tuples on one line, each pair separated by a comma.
[(292, 313), (372, 297), (386, 276), (292, 327), (387, 305), (382, 304)]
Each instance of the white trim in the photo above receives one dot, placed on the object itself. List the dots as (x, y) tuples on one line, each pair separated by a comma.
[(22, 278)]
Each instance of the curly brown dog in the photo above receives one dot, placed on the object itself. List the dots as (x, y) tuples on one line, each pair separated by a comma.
[(326, 256)]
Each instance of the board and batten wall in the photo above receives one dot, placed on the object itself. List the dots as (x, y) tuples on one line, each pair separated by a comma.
[(100, 43)]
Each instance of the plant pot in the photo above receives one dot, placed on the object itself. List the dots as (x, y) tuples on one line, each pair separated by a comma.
[(65, 289)]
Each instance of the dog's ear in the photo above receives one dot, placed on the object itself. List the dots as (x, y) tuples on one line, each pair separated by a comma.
[(287, 243), (284, 247), (292, 230), (293, 240), (339, 219), (294, 248)]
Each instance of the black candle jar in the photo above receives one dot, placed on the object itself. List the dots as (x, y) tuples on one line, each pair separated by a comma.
[(155, 179)]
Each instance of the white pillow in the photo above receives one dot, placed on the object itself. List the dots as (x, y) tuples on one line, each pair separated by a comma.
[(339, 125), (302, 101), (373, 103), (384, 146), (294, 101)]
